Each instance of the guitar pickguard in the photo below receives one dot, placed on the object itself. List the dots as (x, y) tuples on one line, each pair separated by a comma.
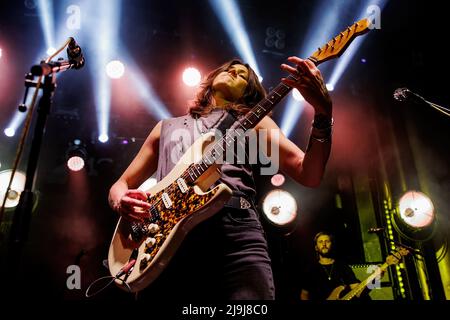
[(183, 205)]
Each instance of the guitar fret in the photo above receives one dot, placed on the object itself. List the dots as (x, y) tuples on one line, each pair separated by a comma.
[(190, 174), (254, 113), (209, 160), (242, 126), (277, 94)]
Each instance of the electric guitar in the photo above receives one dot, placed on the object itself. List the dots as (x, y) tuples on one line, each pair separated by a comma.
[(140, 251), (392, 259)]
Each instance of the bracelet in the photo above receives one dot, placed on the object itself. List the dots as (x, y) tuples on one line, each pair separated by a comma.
[(322, 140), (322, 122)]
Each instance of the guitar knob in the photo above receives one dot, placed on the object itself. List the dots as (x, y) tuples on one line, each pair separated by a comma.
[(145, 260), (150, 242), (153, 228)]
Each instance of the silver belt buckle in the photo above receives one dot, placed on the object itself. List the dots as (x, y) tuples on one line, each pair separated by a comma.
[(244, 203)]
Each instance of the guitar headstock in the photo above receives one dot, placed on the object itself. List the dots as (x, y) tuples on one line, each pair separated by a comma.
[(396, 256), (336, 46)]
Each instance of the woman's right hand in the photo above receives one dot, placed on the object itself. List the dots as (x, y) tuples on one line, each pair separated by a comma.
[(133, 205)]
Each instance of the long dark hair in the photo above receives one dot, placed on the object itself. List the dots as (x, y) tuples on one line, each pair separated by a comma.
[(203, 103)]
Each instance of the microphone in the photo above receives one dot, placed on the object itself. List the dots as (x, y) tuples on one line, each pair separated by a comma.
[(404, 94), (375, 230), (75, 54)]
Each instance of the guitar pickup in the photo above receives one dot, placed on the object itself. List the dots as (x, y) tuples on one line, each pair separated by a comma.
[(182, 185), (166, 200)]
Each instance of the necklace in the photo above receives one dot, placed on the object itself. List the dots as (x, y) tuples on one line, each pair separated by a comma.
[(199, 128), (326, 271)]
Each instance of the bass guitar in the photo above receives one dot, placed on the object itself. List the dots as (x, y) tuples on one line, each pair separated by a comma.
[(392, 259)]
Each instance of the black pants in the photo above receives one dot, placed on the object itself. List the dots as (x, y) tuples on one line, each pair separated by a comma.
[(222, 258)]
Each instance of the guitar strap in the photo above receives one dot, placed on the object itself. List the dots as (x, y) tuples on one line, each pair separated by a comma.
[(239, 200), (226, 123)]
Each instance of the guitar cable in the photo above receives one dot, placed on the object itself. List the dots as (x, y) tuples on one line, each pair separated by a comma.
[(125, 270)]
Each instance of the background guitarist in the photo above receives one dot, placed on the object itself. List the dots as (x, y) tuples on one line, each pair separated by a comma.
[(225, 257), (327, 273)]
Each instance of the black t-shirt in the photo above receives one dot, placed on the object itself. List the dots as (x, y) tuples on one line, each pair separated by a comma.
[(320, 280)]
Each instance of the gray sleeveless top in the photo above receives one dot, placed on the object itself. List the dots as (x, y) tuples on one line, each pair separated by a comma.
[(178, 134)]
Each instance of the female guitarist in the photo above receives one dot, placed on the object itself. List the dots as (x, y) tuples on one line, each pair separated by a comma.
[(225, 256)]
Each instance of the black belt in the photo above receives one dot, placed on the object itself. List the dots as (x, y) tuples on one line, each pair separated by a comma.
[(240, 201)]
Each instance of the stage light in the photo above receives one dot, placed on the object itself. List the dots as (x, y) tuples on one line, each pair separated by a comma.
[(277, 180), (103, 138), (1, 52), (415, 216), (17, 186), (75, 163), (51, 51), (330, 86), (191, 77), (280, 208), (297, 95), (76, 156), (115, 69), (9, 132)]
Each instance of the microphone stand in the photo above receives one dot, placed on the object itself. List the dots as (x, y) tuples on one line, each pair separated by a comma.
[(22, 215)]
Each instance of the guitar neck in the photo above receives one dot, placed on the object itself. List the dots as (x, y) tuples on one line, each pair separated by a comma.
[(249, 121), (364, 283), (332, 49)]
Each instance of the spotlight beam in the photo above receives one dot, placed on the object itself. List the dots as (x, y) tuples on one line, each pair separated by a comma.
[(145, 90), (341, 66), (104, 43), (45, 8), (230, 17), (328, 18)]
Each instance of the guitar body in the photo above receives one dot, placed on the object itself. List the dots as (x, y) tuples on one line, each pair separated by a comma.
[(151, 247), (337, 293)]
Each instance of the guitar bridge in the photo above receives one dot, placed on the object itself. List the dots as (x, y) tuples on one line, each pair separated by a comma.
[(138, 231)]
